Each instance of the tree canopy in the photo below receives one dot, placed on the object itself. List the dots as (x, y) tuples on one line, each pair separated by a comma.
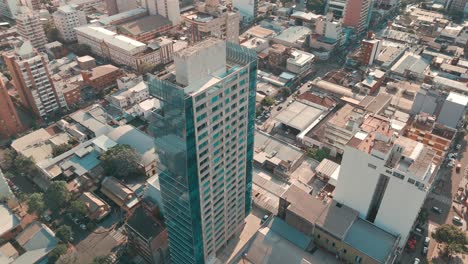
[(121, 162), (318, 154), (62, 148), (454, 239), (57, 195), (77, 208), (35, 203), (55, 254), (101, 260), (268, 101), (64, 233), (80, 49)]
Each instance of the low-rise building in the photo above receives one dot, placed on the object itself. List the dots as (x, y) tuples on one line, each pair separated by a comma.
[(300, 62), (127, 98), (337, 228), (34, 243), (86, 62), (120, 194), (293, 37), (97, 208), (146, 28), (453, 110), (55, 50), (123, 50), (102, 77), (146, 234), (10, 223)]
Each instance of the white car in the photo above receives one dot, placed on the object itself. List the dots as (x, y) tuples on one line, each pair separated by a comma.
[(457, 220), (416, 261)]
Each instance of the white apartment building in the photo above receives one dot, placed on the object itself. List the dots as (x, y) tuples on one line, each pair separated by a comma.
[(248, 9), (205, 143), (66, 18), (126, 98), (300, 62), (123, 50), (32, 80), (337, 7), (330, 27), (386, 178), (169, 9), (30, 27), (85, 5), (8, 8), (216, 21)]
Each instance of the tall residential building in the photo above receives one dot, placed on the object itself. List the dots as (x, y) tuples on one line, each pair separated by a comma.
[(118, 6), (357, 15), (167, 8), (458, 5), (31, 4), (32, 80), (337, 7), (215, 20), (370, 49), (386, 177), (30, 28), (8, 8), (248, 9), (205, 132), (66, 18), (10, 124)]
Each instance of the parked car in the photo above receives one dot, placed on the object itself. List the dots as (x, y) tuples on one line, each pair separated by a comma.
[(457, 220), (416, 261), (424, 251), (427, 240), (279, 108), (458, 147), (437, 209), (264, 218), (83, 227)]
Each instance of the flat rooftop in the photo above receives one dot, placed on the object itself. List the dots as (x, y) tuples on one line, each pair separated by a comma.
[(8, 219), (299, 115), (371, 240)]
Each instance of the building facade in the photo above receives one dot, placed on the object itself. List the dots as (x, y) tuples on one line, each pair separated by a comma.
[(248, 9), (169, 9), (213, 21), (357, 15), (386, 178), (123, 50), (32, 80), (118, 6), (30, 27), (66, 18), (10, 124), (205, 131), (8, 8)]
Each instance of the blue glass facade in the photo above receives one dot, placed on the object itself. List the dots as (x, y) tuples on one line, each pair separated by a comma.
[(175, 143)]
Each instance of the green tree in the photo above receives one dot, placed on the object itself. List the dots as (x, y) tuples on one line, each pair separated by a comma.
[(35, 203), (57, 195), (268, 101), (77, 208), (62, 148), (318, 154), (80, 49), (9, 156), (55, 254), (454, 239), (285, 92), (64, 233), (258, 112), (121, 162), (25, 166), (423, 216), (101, 260), (52, 34)]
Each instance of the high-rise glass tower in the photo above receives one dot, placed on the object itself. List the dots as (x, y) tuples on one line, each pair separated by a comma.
[(204, 132)]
